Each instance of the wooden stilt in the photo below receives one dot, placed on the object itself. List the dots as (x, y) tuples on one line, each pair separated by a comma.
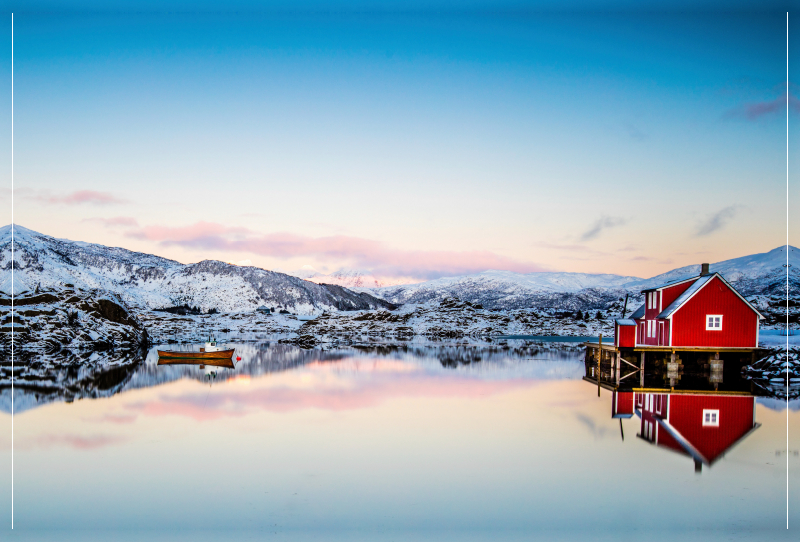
[(641, 371), (599, 359)]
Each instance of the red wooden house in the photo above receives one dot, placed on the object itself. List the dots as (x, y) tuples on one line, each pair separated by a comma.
[(698, 312), (703, 427)]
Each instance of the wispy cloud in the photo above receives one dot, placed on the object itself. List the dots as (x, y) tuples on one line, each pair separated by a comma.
[(78, 442), (572, 247), (717, 221), (603, 223), (359, 252), (78, 197), (635, 133), (757, 110)]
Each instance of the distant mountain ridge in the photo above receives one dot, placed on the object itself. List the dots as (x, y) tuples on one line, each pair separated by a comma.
[(349, 278), (146, 281), (753, 275)]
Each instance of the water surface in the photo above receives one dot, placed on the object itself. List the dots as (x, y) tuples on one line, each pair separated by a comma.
[(420, 442)]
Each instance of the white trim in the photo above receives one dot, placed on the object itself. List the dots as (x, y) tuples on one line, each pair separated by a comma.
[(670, 330), (758, 330), (668, 405), (660, 300)]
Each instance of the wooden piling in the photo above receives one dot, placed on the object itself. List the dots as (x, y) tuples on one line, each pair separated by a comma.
[(641, 370), (599, 359)]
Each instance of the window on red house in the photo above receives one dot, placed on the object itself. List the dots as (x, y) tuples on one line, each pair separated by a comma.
[(714, 322), (710, 417)]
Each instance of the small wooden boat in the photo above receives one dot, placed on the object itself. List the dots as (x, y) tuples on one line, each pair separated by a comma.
[(216, 358), (209, 354)]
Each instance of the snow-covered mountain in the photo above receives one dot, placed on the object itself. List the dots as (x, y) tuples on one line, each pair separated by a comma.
[(144, 281), (349, 278), (754, 275)]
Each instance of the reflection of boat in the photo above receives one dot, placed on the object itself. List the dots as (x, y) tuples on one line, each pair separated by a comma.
[(218, 359)]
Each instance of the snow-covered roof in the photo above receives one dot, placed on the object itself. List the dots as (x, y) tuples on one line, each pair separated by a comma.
[(693, 289), (684, 297), (638, 313), (625, 322)]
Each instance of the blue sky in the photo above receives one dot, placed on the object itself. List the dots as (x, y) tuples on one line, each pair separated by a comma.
[(414, 144)]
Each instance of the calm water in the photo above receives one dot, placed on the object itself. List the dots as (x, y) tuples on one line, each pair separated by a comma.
[(425, 442)]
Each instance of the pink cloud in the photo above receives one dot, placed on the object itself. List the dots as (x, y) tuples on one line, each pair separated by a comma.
[(361, 253), (79, 197), (756, 110)]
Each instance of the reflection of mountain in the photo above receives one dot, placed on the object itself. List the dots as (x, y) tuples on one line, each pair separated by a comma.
[(66, 376), (701, 426)]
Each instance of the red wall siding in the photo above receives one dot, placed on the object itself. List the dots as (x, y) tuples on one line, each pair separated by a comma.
[(625, 335), (739, 322), (736, 417), (671, 294), (622, 403)]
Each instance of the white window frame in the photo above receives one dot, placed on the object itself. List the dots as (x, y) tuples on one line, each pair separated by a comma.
[(710, 322), (710, 417)]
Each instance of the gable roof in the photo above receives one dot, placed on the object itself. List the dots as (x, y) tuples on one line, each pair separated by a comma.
[(638, 313), (696, 287), (625, 322), (669, 284)]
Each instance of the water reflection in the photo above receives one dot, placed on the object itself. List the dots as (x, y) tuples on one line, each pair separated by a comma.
[(699, 412), (389, 442), (67, 376), (701, 426)]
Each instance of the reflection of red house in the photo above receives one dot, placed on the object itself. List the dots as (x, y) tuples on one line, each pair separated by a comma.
[(622, 404), (703, 427), (699, 312)]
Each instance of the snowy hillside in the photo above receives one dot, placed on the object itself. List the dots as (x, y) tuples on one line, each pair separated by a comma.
[(144, 281), (509, 290)]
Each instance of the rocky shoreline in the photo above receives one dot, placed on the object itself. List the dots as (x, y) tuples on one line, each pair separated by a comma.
[(87, 321)]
